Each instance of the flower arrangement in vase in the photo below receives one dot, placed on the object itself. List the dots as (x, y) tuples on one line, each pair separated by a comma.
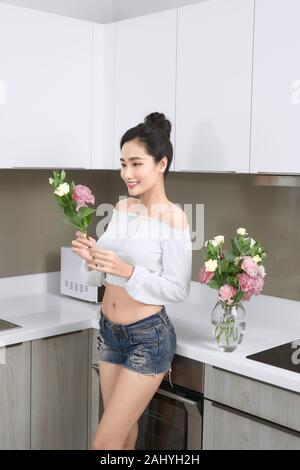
[(237, 274)]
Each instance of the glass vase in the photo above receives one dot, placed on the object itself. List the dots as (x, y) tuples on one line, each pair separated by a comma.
[(228, 325)]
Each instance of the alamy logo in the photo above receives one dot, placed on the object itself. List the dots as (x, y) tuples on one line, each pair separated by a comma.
[(296, 354), (194, 213)]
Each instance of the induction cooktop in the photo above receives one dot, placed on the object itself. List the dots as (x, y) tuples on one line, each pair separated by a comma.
[(286, 356)]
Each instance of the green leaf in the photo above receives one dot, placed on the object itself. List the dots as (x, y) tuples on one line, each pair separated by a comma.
[(89, 219), (214, 284), (85, 212), (239, 296)]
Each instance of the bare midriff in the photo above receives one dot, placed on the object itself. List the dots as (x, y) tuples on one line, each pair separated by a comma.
[(120, 307)]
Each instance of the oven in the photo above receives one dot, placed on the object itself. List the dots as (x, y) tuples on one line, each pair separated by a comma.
[(173, 419)]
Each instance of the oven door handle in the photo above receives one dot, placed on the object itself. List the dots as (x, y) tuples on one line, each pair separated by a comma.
[(174, 396)]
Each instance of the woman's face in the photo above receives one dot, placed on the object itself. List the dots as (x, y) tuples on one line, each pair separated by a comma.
[(139, 167)]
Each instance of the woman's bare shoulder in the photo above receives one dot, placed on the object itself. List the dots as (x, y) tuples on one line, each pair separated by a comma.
[(177, 217), (124, 204)]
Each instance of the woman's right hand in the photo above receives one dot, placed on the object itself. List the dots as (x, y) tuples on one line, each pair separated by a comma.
[(81, 246)]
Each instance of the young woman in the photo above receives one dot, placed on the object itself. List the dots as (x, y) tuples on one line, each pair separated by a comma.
[(144, 260)]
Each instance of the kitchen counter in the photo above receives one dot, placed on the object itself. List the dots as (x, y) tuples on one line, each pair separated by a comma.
[(42, 311)]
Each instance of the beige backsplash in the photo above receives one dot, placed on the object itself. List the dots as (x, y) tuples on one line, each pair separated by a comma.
[(30, 237)]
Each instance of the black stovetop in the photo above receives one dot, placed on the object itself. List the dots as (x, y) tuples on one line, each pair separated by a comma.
[(286, 356)]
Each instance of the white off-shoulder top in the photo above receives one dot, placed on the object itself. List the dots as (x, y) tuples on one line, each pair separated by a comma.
[(161, 256)]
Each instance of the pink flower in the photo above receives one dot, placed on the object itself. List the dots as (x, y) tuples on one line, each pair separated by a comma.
[(249, 266), (261, 270), (82, 195), (258, 284), (245, 282), (205, 276), (226, 292), (250, 285)]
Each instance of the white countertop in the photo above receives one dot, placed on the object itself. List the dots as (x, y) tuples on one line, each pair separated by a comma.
[(270, 321)]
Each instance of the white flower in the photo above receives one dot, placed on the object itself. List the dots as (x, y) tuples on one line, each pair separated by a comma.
[(51, 180), (241, 231), (252, 242), (62, 189), (205, 244), (256, 259), (211, 265), (236, 260), (217, 240)]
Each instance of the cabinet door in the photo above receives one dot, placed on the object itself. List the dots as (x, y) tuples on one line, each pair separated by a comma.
[(46, 65), (59, 392), (225, 428), (15, 397), (213, 95), (275, 146), (103, 92), (145, 66)]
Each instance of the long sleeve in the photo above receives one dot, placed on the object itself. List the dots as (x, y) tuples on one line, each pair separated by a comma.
[(91, 278), (173, 283)]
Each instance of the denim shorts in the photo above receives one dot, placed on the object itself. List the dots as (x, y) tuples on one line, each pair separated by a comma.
[(146, 346)]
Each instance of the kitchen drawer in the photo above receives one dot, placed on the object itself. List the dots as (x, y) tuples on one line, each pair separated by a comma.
[(230, 429), (266, 401)]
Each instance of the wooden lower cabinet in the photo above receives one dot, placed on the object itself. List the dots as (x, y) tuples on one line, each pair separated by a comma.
[(244, 413), (15, 397), (59, 391)]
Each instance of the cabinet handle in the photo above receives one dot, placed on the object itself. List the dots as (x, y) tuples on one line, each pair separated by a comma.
[(179, 398), (206, 171), (95, 366), (277, 173), (47, 167), (263, 421), (61, 334)]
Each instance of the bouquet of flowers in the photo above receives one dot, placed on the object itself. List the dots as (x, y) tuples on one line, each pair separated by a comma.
[(237, 274), (73, 201)]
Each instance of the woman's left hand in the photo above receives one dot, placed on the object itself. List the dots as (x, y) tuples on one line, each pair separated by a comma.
[(107, 261)]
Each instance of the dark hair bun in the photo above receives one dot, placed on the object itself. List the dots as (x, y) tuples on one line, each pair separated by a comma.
[(158, 120)]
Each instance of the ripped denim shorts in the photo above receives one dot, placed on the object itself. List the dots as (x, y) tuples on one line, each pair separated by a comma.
[(146, 346)]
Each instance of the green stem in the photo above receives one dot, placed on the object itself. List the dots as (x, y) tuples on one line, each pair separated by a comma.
[(226, 327)]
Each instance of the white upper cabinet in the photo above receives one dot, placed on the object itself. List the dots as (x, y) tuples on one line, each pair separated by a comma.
[(103, 93), (213, 96), (45, 77), (275, 141), (145, 70)]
